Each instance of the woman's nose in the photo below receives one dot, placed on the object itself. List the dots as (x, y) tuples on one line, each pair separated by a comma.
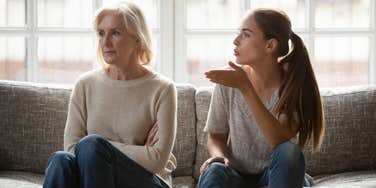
[(236, 41), (106, 41)]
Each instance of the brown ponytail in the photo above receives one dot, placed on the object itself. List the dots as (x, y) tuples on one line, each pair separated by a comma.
[(299, 94)]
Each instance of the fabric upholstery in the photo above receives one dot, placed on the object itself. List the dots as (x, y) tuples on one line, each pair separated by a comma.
[(32, 124), (183, 182), (203, 96), (350, 136), (365, 179), (185, 143), (17, 179)]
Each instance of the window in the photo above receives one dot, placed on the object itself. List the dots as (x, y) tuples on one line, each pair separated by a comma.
[(52, 40)]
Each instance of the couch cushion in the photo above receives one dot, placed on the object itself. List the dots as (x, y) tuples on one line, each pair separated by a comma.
[(347, 180), (17, 179), (203, 96), (32, 124), (183, 182), (185, 144), (350, 135)]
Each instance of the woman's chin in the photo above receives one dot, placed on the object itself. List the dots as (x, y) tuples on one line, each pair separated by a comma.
[(239, 61), (109, 61)]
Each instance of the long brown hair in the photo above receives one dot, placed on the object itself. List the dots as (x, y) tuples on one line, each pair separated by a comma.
[(299, 93)]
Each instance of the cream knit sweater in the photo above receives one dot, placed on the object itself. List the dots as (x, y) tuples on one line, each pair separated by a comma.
[(123, 112)]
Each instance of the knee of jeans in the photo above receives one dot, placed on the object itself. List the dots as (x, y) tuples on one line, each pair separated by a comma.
[(289, 153), (61, 159), (88, 144)]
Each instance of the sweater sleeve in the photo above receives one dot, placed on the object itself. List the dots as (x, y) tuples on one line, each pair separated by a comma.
[(154, 158), (75, 127)]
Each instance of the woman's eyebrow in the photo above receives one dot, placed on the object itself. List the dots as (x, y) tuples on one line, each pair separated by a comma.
[(247, 29)]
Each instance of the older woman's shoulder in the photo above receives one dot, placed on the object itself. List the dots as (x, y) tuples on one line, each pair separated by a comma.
[(162, 79), (88, 76)]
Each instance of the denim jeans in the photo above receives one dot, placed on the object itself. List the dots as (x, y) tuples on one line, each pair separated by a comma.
[(286, 170), (96, 163)]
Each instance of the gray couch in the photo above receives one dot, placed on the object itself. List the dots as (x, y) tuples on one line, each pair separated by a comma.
[(32, 119)]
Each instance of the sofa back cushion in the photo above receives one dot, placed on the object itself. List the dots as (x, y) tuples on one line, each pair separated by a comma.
[(32, 124), (185, 143), (33, 119), (350, 135), (350, 138), (203, 96)]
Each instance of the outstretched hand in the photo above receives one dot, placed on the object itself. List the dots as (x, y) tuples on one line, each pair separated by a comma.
[(235, 77)]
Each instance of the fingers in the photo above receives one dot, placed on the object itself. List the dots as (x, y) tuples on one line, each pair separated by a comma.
[(203, 167), (155, 126), (154, 130), (155, 140), (214, 159), (227, 162), (151, 140)]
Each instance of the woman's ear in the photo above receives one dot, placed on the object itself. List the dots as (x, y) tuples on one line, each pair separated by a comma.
[(272, 46)]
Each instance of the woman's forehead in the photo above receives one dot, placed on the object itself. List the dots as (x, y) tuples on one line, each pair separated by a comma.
[(249, 23), (111, 20)]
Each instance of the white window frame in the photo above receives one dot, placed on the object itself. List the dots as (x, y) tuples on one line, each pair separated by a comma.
[(172, 33)]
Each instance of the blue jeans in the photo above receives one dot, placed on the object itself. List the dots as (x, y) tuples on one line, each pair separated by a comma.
[(286, 170), (96, 163)]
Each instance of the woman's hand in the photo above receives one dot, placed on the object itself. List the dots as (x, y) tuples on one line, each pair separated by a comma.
[(152, 137), (236, 78), (214, 159)]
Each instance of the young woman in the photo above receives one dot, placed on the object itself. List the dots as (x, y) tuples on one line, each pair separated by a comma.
[(261, 106), (121, 121)]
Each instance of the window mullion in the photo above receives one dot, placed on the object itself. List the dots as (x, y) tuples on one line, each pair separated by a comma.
[(247, 5), (32, 40), (166, 38), (372, 59), (181, 73), (310, 23)]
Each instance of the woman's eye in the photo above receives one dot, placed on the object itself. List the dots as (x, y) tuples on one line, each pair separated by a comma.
[(116, 33), (246, 35), (101, 33)]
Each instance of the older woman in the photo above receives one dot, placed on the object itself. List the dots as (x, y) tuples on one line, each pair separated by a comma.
[(121, 121)]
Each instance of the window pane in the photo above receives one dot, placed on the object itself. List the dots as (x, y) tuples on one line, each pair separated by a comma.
[(65, 13), (341, 61), (295, 9), (149, 8), (205, 53), (63, 59), (12, 58), (342, 13), (214, 13), (12, 13), (156, 62)]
